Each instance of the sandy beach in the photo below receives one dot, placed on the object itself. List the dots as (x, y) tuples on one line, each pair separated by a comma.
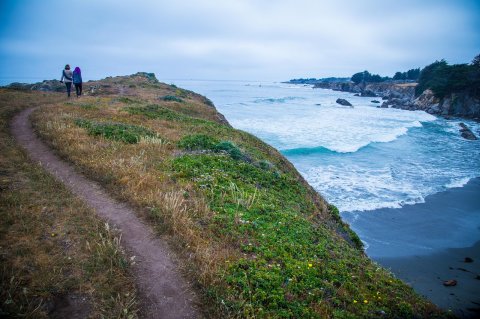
[(429, 243)]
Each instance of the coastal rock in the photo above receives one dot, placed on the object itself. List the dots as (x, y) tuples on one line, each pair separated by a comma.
[(375, 101), (450, 283), (466, 132), (45, 86), (434, 109), (468, 260), (401, 94), (425, 101), (368, 93), (344, 102)]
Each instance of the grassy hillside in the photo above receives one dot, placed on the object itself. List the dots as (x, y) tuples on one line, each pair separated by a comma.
[(255, 238), (56, 257)]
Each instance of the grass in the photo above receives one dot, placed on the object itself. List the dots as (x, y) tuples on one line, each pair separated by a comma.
[(116, 131), (53, 248), (256, 239)]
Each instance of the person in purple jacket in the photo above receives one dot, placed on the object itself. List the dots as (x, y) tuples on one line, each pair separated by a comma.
[(67, 78), (77, 80)]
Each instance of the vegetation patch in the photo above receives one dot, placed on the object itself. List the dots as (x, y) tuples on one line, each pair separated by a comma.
[(444, 79), (155, 111), (127, 100), (115, 131), (206, 142), (172, 98), (290, 266)]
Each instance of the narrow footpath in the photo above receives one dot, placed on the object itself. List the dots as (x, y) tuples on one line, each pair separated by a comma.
[(163, 292)]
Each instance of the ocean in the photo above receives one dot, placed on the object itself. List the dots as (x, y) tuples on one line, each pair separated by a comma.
[(360, 159)]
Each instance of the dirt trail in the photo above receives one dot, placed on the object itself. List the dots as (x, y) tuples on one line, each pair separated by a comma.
[(163, 292)]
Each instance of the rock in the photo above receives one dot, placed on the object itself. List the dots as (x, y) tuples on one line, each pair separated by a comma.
[(468, 260), (318, 104), (434, 109), (45, 86), (344, 102), (385, 98), (368, 93), (467, 133), (356, 94), (375, 101), (450, 283), (384, 105)]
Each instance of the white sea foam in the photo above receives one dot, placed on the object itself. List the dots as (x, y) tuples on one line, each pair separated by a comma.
[(337, 129), (354, 188), (378, 157), (458, 182)]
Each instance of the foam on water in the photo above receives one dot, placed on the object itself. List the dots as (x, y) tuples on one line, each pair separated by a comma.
[(359, 158), (338, 129)]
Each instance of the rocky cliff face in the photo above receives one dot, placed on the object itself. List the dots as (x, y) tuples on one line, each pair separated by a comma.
[(402, 96), (383, 89)]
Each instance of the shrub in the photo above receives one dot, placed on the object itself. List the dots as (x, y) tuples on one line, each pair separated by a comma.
[(115, 131), (444, 79), (155, 111), (198, 142), (230, 148), (206, 142), (172, 98)]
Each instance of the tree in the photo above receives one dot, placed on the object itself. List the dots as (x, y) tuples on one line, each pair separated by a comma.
[(430, 76), (399, 76), (360, 77), (476, 61), (412, 74)]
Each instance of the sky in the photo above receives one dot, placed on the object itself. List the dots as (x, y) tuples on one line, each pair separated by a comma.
[(233, 39)]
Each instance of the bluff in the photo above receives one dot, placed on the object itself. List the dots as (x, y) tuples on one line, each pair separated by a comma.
[(256, 240), (400, 94)]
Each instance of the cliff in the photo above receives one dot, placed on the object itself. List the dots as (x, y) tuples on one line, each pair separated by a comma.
[(256, 240), (402, 95)]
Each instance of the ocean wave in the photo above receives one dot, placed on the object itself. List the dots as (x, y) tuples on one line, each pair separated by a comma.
[(458, 182), (346, 145), (278, 100), (306, 151)]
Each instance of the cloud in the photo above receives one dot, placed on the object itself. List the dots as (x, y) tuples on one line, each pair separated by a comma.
[(238, 39)]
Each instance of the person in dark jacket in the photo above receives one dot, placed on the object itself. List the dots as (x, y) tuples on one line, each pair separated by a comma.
[(77, 80), (67, 78)]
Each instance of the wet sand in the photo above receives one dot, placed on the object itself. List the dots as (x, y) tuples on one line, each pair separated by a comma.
[(427, 244)]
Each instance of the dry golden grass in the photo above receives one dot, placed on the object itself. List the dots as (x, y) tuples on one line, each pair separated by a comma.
[(54, 250)]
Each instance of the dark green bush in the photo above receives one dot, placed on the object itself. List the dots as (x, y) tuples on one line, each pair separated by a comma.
[(198, 142), (115, 131), (444, 79), (155, 111), (172, 98), (206, 142), (230, 148)]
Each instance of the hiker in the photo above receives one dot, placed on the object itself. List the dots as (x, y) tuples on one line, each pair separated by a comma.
[(67, 75), (77, 80)]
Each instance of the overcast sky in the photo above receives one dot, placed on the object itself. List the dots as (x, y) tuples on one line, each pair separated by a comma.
[(233, 39)]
